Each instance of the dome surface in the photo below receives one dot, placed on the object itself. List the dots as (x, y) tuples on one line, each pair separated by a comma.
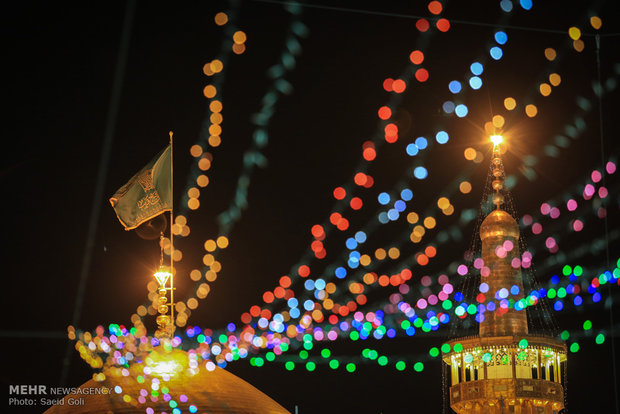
[(212, 392), (499, 223)]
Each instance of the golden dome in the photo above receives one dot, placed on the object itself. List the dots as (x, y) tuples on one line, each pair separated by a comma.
[(499, 223), (214, 392)]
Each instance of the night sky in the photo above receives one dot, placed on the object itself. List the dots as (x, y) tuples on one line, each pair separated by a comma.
[(59, 71)]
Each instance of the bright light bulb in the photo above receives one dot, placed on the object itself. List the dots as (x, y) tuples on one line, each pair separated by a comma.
[(497, 139), (162, 275)]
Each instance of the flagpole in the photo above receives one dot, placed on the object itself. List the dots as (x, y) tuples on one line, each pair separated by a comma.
[(171, 234)]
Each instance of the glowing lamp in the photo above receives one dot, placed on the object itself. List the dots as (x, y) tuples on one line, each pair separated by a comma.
[(166, 363), (162, 275), (497, 139)]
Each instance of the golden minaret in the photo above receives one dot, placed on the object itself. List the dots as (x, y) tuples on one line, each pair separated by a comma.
[(504, 369)]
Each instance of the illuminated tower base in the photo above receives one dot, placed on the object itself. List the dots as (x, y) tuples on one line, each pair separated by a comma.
[(506, 374), (504, 369)]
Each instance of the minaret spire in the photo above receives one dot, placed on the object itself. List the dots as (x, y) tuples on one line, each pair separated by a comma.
[(498, 171)]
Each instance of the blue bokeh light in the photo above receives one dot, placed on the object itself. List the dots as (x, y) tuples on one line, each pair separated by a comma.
[(420, 173), (455, 86), (461, 110), (496, 52), (442, 137), (501, 37), (476, 68)]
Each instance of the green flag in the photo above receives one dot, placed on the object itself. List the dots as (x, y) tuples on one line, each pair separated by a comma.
[(147, 194)]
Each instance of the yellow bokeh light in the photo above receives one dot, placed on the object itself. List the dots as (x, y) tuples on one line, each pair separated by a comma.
[(181, 220), (574, 33), (394, 253), (202, 180), (217, 66), (498, 121), (531, 110), (239, 37), (215, 130), (185, 231), (208, 259), (412, 218), (465, 187), (448, 211), (238, 48), (443, 202), (596, 22), (550, 54), (555, 79), (489, 128), (215, 140), (203, 290), (178, 254), (195, 275), (193, 192), (545, 89), (380, 254), (209, 91), (221, 19), (192, 303), (216, 118), (206, 69), (204, 164), (365, 260), (176, 229), (330, 287), (210, 275), (222, 242), (579, 45), (193, 203), (419, 230), (196, 150), (510, 103), (370, 278), (356, 288), (469, 154), (215, 106), (210, 245), (430, 222), (317, 315)]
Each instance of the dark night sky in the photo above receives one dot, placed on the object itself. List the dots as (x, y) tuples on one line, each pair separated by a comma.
[(59, 63)]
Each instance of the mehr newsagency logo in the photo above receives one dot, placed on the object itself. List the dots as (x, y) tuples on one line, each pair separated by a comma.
[(43, 395)]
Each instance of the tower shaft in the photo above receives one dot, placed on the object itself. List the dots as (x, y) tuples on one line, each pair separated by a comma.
[(500, 252)]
